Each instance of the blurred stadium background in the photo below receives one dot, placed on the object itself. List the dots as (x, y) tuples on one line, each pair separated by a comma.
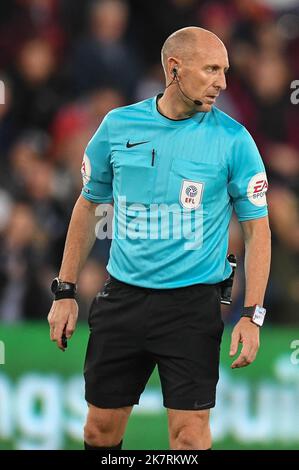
[(65, 64)]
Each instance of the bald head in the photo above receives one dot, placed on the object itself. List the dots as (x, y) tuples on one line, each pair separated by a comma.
[(195, 63), (185, 43)]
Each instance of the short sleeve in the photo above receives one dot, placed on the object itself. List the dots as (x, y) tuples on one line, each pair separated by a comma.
[(248, 183), (96, 167)]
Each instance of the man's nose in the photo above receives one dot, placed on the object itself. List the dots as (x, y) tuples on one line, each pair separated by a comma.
[(220, 82)]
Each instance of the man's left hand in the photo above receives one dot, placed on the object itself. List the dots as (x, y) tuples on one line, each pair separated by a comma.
[(247, 333)]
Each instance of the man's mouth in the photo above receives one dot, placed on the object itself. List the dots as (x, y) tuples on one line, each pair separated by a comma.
[(212, 98)]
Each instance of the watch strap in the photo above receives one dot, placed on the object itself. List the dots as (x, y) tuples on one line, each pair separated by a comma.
[(66, 286), (248, 311), (65, 294), (63, 289), (256, 313)]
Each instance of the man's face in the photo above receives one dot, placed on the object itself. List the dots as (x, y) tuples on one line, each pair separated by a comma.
[(203, 77)]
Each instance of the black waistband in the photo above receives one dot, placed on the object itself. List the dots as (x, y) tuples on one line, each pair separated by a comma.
[(156, 290)]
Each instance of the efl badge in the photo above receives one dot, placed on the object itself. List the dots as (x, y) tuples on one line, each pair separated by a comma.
[(85, 169), (257, 188), (191, 194)]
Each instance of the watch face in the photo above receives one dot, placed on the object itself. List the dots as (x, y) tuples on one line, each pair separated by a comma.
[(259, 315), (54, 285)]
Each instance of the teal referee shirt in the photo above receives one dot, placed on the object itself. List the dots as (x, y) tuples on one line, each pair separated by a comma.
[(174, 185)]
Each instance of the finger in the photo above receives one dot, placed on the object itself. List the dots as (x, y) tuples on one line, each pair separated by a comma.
[(242, 358), (253, 353), (252, 357), (246, 348), (234, 344), (49, 317), (51, 325), (52, 330), (250, 350), (52, 333), (70, 327), (59, 344), (241, 361), (58, 335), (246, 356)]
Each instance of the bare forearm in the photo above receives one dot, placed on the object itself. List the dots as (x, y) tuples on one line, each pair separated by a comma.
[(79, 241), (257, 265)]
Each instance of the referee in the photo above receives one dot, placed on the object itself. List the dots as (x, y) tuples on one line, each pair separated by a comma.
[(174, 154)]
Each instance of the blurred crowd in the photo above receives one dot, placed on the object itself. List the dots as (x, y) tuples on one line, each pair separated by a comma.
[(66, 63)]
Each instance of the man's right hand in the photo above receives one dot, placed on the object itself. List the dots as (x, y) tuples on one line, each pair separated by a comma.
[(62, 318)]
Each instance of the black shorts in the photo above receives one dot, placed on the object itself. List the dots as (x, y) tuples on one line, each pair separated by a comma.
[(133, 329)]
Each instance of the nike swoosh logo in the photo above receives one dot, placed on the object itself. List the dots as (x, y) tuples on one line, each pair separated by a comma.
[(200, 405), (137, 143)]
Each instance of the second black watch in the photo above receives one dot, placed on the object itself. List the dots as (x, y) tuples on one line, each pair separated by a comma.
[(63, 289)]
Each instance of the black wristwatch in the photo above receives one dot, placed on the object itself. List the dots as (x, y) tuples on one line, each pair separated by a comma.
[(256, 313), (63, 290)]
